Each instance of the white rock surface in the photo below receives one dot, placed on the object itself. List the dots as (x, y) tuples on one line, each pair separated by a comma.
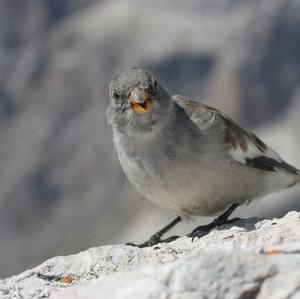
[(251, 259), (61, 186)]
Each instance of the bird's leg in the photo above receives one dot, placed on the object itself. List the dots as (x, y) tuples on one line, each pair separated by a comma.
[(203, 230), (156, 238)]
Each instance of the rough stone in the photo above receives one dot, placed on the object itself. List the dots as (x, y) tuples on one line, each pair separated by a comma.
[(250, 259), (61, 187)]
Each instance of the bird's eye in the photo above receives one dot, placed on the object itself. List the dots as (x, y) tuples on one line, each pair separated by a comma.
[(154, 85), (116, 95)]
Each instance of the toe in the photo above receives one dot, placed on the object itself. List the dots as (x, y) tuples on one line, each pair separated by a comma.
[(143, 245), (170, 239), (131, 244), (154, 240), (198, 234)]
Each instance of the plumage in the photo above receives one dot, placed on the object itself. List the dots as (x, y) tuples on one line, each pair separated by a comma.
[(243, 145), (188, 157)]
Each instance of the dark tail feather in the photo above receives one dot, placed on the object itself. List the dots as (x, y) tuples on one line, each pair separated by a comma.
[(298, 179)]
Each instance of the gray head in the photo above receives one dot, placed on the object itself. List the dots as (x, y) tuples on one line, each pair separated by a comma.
[(138, 103)]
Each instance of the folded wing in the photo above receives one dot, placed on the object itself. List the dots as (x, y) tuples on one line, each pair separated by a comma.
[(242, 145)]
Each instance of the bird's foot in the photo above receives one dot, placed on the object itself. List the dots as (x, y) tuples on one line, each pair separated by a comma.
[(203, 230), (155, 239)]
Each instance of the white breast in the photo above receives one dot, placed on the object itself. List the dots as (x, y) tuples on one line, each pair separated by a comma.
[(189, 189)]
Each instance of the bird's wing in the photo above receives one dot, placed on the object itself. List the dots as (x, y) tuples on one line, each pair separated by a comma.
[(242, 145)]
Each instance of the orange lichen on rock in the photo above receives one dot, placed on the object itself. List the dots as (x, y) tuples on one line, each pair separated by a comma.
[(273, 251), (67, 279)]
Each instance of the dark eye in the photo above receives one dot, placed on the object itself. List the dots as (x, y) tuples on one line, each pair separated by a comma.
[(116, 95), (154, 86)]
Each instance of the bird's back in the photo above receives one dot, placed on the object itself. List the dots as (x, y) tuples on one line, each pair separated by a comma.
[(242, 145)]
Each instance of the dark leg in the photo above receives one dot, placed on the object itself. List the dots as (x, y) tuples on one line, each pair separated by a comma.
[(203, 230), (156, 238)]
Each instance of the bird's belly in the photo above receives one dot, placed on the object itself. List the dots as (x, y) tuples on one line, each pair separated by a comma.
[(187, 199), (183, 190)]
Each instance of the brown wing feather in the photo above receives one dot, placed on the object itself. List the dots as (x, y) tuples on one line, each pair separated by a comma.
[(243, 145)]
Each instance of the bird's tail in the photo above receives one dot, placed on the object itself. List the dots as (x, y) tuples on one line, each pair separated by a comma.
[(298, 178), (295, 177)]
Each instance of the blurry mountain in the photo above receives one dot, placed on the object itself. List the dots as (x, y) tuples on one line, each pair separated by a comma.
[(21, 21), (61, 187), (264, 66)]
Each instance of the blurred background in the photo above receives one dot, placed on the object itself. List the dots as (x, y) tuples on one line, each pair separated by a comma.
[(61, 187)]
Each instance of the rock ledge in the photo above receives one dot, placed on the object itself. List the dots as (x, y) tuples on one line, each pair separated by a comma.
[(252, 259)]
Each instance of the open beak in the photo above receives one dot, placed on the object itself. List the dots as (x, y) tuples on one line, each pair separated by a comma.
[(140, 101)]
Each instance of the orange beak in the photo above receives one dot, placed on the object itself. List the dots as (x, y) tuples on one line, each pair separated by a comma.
[(140, 101)]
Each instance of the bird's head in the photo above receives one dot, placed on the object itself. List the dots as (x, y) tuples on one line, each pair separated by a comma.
[(138, 103)]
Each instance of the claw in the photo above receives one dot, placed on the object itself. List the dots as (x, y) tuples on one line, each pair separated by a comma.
[(155, 239), (202, 231)]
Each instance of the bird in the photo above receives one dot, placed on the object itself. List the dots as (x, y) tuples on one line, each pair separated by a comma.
[(188, 157)]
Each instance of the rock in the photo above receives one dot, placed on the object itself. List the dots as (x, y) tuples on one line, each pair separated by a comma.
[(265, 82), (61, 186), (250, 259), (21, 21)]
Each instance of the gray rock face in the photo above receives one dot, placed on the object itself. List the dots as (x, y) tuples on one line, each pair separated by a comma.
[(20, 21), (251, 259), (61, 187)]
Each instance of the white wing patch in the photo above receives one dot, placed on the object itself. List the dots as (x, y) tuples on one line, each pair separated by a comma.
[(245, 147), (251, 152), (242, 145)]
